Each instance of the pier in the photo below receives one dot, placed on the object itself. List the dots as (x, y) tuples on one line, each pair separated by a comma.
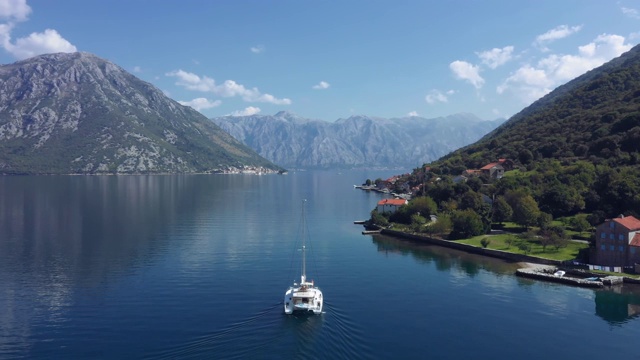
[(548, 275)]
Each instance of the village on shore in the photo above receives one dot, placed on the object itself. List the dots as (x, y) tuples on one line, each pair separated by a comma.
[(610, 256)]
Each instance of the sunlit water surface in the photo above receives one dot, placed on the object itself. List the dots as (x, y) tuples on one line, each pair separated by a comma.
[(179, 267)]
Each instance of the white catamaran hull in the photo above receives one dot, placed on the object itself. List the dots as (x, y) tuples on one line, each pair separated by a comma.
[(297, 299)]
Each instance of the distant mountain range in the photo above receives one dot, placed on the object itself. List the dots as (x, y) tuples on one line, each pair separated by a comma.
[(356, 142), (80, 114)]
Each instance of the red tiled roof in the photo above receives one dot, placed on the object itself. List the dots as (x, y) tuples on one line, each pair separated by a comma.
[(629, 222), (396, 202), (489, 166), (635, 241)]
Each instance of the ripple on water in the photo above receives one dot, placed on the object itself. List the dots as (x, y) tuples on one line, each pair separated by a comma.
[(268, 333)]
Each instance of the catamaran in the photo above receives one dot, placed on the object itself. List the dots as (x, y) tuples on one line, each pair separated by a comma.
[(303, 296)]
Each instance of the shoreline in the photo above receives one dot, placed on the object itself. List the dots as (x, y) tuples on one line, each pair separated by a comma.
[(526, 263)]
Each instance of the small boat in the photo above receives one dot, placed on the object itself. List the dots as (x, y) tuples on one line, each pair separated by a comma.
[(303, 296), (559, 273), (595, 278)]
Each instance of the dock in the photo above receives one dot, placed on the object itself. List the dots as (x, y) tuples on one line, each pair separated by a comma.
[(359, 222), (548, 275), (368, 232)]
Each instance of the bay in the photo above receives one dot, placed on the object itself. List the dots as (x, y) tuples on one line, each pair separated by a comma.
[(166, 267)]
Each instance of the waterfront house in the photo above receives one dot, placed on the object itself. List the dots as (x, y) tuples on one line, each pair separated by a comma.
[(390, 205), (618, 242)]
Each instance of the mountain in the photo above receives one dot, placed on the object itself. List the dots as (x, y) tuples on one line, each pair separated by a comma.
[(358, 141), (79, 114), (595, 117)]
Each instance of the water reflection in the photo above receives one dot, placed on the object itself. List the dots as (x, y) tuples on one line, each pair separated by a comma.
[(79, 228), (616, 305), (619, 304), (60, 236), (444, 259)]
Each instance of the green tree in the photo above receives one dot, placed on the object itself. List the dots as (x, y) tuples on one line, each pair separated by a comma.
[(544, 220), (560, 241), (524, 247), (525, 211), (471, 200), (465, 224), (475, 183), (501, 210), (485, 242), (553, 235), (417, 222), (580, 224), (561, 200), (441, 226), (378, 219), (423, 205), (449, 206)]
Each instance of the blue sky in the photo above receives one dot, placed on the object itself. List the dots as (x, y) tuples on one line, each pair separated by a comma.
[(333, 59)]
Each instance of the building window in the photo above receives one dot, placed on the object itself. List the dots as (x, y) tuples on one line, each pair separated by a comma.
[(603, 235), (611, 225), (620, 237), (612, 237), (612, 247), (621, 248), (603, 247)]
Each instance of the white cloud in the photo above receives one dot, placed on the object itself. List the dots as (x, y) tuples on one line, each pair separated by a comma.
[(14, 10), (45, 42), (137, 69), (5, 34), (229, 88), (247, 111), (257, 49), (413, 113), (528, 83), (435, 96), (554, 34), (466, 71), (632, 13), (531, 82), (201, 103), (36, 43), (321, 85), (496, 57)]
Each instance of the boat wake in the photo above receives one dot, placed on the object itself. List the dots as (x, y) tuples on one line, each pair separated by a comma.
[(269, 333), (223, 341), (346, 339)]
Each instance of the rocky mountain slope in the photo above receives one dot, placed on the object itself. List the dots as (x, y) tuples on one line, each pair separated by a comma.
[(356, 142), (79, 114)]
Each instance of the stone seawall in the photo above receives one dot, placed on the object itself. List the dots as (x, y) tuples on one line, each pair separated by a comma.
[(471, 249)]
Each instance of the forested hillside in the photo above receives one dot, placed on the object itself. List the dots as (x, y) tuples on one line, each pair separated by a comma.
[(574, 155), (595, 117)]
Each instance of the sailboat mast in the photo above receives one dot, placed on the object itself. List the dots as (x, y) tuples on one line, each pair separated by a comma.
[(304, 258)]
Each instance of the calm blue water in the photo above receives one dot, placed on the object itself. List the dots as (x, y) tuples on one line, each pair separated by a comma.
[(166, 267)]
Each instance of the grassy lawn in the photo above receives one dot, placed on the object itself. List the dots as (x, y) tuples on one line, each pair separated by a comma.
[(499, 242)]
